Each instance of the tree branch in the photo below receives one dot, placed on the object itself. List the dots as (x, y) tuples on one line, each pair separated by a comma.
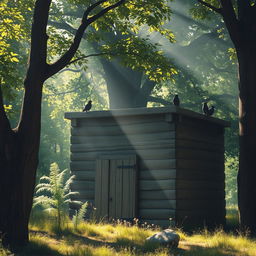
[(91, 8), (90, 55), (71, 70), (102, 12), (66, 58), (229, 16), (218, 10), (63, 93), (231, 22)]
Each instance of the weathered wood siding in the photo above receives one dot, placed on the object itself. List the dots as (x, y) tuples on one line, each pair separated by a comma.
[(200, 173), (179, 156), (151, 138)]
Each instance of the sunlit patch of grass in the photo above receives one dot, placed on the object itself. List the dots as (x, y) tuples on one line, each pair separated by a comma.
[(46, 222), (4, 252), (78, 248), (115, 232), (96, 230), (121, 238), (218, 243)]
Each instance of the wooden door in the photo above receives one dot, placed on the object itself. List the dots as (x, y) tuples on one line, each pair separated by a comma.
[(116, 187)]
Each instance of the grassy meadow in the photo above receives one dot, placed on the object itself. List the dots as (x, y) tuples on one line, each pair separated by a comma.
[(102, 239)]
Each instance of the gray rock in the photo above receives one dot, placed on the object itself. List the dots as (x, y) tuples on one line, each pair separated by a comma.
[(166, 237)]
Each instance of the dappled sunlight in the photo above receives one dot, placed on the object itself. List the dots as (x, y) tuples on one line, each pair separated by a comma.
[(119, 238)]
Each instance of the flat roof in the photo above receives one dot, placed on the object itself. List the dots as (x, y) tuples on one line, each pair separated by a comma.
[(144, 111)]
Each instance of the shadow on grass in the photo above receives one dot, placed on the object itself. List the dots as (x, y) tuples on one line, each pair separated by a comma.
[(185, 247), (37, 249), (70, 239)]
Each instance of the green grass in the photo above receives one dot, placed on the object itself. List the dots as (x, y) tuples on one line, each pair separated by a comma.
[(91, 239)]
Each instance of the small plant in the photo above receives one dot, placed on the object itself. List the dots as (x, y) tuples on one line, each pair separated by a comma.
[(53, 193), (79, 216)]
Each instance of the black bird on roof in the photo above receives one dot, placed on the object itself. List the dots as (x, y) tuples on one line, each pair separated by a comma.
[(211, 110), (176, 100), (205, 109), (88, 106)]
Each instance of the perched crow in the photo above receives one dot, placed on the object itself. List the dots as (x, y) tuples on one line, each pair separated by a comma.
[(88, 106), (176, 100), (205, 109), (208, 111), (211, 111)]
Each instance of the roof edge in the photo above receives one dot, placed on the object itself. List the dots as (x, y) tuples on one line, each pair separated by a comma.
[(144, 111)]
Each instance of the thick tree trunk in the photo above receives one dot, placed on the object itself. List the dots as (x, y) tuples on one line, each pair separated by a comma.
[(19, 147), (123, 85), (247, 132), (18, 164)]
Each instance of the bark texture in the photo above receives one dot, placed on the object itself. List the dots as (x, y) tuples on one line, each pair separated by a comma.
[(241, 26), (247, 133), (19, 147)]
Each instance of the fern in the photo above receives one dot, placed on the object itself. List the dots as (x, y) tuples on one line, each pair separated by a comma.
[(53, 193), (79, 216)]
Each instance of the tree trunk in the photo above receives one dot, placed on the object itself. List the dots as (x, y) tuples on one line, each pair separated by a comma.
[(247, 131), (19, 147), (123, 85), (18, 164)]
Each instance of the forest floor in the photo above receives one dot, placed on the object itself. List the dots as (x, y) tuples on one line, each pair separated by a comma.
[(91, 239)]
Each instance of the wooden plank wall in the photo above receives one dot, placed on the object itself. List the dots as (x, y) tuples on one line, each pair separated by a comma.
[(200, 173), (187, 155), (150, 137)]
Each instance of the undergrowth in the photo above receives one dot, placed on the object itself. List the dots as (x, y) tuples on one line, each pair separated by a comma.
[(124, 239)]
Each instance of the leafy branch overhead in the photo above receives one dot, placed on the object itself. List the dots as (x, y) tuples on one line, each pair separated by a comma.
[(234, 14), (123, 32), (139, 54), (85, 22)]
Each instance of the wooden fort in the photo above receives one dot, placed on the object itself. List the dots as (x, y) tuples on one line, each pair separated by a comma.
[(159, 165)]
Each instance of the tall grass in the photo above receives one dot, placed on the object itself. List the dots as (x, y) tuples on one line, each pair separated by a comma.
[(125, 239), (121, 238)]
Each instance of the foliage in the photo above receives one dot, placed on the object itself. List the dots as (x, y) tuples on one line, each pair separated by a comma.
[(123, 239), (126, 39), (11, 31), (67, 92), (53, 193), (79, 215), (139, 53), (231, 169)]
